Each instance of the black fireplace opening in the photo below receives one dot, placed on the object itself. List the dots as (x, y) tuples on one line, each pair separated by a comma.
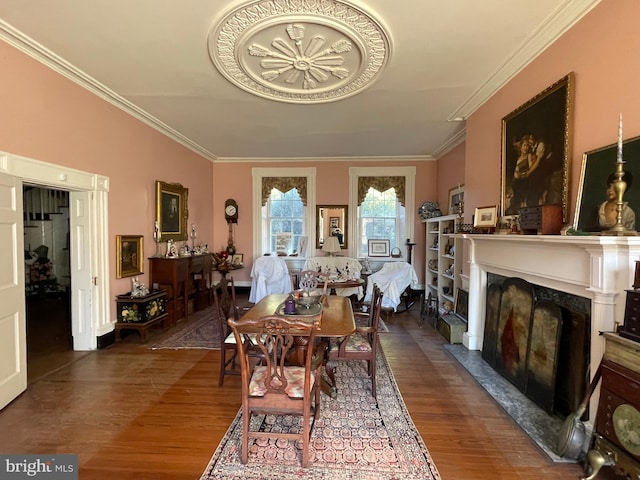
[(538, 338)]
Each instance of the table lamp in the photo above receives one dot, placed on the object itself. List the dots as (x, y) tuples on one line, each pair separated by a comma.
[(331, 246)]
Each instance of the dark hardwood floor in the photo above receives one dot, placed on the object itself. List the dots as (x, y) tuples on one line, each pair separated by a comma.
[(135, 413)]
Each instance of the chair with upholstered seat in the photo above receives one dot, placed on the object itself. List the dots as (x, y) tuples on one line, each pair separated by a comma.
[(269, 274), (394, 278), (274, 387), (363, 344)]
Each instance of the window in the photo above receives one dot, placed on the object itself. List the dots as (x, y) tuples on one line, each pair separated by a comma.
[(282, 200), (381, 216), (381, 198), (284, 213)]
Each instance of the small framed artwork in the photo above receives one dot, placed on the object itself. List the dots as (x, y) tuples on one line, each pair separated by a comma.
[(334, 222), (456, 199), (237, 259), (171, 211), (284, 240), (598, 168), (536, 146), (129, 255), (378, 248), (485, 217)]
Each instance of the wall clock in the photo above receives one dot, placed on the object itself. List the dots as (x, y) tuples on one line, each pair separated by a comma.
[(231, 211)]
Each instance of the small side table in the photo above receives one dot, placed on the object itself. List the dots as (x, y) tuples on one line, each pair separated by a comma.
[(141, 313)]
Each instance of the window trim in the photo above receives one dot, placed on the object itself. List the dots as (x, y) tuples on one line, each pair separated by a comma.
[(410, 181), (310, 220)]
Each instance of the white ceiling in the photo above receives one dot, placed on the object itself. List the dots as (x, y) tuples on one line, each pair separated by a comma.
[(151, 57)]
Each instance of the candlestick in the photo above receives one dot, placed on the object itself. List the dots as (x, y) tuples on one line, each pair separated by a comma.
[(619, 156)]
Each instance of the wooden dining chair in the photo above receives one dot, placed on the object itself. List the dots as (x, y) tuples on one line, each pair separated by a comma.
[(273, 387), (310, 280), (363, 344), (224, 301)]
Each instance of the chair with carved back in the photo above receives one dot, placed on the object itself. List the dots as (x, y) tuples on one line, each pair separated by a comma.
[(313, 281), (363, 344), (224, 300), (274, 387)]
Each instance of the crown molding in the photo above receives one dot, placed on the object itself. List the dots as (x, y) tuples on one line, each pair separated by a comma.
[(452, 143), (399, 158), (38, 52)]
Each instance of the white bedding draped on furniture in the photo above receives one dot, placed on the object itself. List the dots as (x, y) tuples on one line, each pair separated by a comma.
[(393, 279), (269, 274)]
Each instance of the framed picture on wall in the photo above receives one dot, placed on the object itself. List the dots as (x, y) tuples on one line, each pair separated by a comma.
[(535, 150), (598, 167), (171, 211), (456, 199), (129, 255)]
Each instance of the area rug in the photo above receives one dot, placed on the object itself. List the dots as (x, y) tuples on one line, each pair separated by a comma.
[(200, 330), (355, 437)]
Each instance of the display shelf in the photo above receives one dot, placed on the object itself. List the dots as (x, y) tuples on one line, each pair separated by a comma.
[(442, 267)]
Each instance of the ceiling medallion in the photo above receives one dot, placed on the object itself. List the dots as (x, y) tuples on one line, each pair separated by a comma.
[(299, 51)]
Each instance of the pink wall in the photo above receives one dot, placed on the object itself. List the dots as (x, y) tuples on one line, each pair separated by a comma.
[(47, 117), (450, 174), (332, 188), (602, 49)]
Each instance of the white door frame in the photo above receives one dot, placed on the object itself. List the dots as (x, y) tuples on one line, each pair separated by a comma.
[(90, 314)]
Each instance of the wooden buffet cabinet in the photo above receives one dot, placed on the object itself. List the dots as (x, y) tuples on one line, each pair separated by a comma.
[(617, 427), (183, 278)]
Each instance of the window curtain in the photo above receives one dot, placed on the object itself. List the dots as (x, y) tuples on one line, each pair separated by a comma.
[(284, 184), (381, 184)]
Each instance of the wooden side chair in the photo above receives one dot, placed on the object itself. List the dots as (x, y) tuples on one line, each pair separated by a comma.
[(311, 280), (224, 301), (363, 344), (273, 387)]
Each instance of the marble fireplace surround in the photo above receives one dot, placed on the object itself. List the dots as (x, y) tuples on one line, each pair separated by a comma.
[(599, 268)]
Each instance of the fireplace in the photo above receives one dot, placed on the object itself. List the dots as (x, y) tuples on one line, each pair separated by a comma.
[(538, 339), (597, 268)]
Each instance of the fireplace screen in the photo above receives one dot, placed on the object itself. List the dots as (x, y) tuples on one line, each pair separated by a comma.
[(523, 337)]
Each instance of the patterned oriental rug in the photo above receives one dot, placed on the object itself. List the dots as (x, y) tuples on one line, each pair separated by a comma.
[(201, 331), (355, 438)]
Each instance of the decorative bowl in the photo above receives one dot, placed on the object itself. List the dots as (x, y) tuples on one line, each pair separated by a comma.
[(307, 298)]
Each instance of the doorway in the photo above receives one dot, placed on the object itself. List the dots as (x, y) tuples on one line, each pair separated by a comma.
[(47, 279), (89, 258)]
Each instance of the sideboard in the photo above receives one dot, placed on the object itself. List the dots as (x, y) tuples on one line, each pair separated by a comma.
[(183, 278)]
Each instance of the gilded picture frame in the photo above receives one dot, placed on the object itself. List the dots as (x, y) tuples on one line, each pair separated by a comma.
[(536, 147), (597, 167), (172, 211), (129, 255)]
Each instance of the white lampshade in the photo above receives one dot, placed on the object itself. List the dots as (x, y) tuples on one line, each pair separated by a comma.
[(331, 245)]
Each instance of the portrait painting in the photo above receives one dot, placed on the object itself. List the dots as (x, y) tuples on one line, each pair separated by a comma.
[(129, 255), (535, 150), (596, 204), (171, 211)]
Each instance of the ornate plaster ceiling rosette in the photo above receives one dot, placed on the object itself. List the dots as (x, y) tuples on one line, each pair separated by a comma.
[(299, 51)]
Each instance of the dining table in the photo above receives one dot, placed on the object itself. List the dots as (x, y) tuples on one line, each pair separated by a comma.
[(336, 320)]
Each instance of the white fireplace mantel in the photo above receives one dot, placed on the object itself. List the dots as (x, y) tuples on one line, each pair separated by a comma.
[(600, 268)]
